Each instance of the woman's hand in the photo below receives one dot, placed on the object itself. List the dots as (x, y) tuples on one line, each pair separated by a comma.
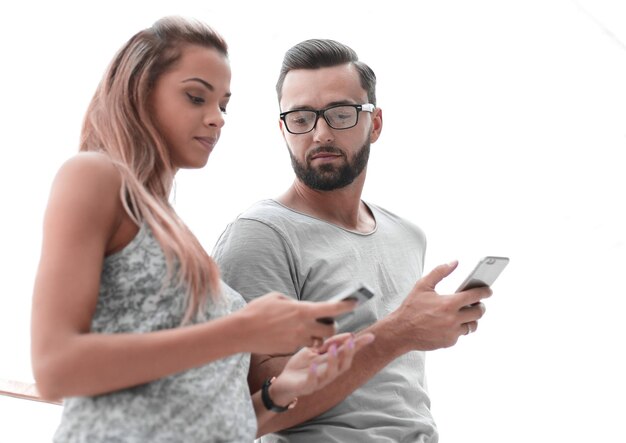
[(310, 369), (275, 323)]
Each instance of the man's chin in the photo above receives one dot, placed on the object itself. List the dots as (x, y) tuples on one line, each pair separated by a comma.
[(325, 183)]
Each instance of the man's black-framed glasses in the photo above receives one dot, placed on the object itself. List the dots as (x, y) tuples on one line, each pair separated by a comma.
[(301, 121)]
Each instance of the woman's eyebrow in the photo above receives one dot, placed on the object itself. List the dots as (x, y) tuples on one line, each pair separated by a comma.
[(206, 84)]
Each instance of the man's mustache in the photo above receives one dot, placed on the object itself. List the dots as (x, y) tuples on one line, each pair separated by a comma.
[(325, 149)]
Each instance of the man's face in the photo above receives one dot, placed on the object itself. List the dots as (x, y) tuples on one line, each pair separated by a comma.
[(326, 158)]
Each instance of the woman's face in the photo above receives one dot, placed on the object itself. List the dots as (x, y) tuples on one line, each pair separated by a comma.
[(189, 103)]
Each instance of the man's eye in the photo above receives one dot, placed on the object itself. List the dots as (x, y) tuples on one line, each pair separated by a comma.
[(299, 118), (195, 100)]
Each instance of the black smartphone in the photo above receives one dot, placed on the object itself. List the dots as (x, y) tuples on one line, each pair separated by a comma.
[(361, 293), (485, 273)]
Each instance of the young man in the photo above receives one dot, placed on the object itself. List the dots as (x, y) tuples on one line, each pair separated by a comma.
[(320, 238)]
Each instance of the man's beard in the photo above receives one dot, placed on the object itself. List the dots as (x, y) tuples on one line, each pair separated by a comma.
[(328, 177)]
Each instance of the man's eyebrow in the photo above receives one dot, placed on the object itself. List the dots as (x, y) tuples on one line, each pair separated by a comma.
[(204, 83), (328, 105)]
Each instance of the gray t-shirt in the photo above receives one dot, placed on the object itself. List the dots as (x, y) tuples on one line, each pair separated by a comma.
[(273, 248), (210, 403)]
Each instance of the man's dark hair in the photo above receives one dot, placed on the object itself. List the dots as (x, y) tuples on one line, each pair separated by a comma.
[(324, 53)]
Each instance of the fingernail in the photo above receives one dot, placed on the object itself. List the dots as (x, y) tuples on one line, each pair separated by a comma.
[(333, 350), (314, 368), (351, 343)]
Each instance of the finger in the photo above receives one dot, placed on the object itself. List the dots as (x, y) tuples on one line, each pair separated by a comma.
[(473, 296), (350, 348), (325, 320), (468, 328), (328, 308), (346, 354), (316, 342), (317, 329), (430, 280), (311, 376), (338, 340), (363, 340), (332, 362), (359, 342), (473, 312)]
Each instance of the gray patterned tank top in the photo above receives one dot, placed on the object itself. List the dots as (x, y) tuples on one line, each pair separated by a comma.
[(210, 403)]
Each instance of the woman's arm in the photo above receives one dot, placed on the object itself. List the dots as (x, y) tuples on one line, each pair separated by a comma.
[(68, 360), (83, 213)]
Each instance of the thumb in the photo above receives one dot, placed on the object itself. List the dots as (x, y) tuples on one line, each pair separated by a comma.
[(430, 280)]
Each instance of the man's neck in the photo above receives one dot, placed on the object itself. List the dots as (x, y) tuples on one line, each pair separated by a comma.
[(342, 207)]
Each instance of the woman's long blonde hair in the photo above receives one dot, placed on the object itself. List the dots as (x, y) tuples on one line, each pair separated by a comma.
[(119, 122)]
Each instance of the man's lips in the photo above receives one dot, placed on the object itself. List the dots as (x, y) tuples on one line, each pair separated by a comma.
[(325, 155)]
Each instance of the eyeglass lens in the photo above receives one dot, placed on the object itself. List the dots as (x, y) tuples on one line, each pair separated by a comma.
[(339, 117)]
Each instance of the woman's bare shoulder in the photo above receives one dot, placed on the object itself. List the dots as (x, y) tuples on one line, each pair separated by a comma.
[(90, 164), (88, 183)]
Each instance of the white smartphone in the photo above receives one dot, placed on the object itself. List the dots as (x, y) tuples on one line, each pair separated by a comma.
[(361, 293), (485, 273)]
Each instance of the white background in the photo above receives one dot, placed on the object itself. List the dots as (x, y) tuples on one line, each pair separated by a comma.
[(504, 134)]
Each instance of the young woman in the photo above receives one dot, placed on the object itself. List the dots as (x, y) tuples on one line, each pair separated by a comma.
[(131, 324)]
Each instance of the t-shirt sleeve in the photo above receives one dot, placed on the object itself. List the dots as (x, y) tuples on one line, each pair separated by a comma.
[(254, 259)]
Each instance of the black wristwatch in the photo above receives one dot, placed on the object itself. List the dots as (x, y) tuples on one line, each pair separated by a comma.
[(267, 401)]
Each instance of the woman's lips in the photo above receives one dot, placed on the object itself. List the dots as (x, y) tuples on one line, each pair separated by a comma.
[(207, 142)]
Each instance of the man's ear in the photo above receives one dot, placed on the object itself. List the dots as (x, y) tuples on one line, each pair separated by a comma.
[(377, 124)]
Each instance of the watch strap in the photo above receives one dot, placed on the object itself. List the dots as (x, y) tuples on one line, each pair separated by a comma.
[(267, 401)]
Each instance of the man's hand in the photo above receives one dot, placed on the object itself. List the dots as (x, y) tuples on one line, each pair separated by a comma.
[(427, 320)]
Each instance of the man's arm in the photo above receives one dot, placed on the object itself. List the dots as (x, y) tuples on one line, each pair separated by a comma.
[(365, 364), (255, 258), (425, 320)]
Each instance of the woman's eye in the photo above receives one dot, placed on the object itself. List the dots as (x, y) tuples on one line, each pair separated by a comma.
[(223, 109), (195, 100)]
